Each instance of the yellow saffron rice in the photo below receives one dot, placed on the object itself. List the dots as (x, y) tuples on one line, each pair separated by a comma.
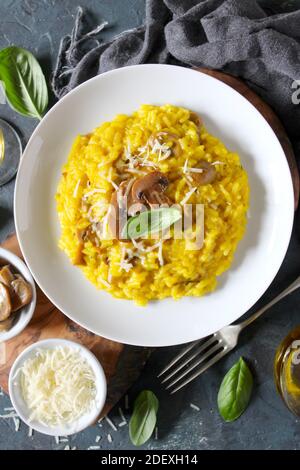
[(100, 161)]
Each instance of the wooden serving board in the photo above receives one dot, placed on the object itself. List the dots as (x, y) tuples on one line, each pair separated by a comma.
[(269, 116), (122, 364)]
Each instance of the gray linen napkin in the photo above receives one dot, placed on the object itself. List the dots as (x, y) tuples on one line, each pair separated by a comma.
[(236, 36)]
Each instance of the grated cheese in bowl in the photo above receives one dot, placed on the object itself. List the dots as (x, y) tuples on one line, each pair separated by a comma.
[(59, 387)]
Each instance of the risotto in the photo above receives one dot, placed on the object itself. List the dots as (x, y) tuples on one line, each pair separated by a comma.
[(159, 155)]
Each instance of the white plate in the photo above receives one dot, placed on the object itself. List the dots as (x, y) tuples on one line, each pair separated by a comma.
[(20, 406), (227, 115)]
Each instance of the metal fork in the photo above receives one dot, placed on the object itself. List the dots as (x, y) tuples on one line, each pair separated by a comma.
[(205, 352)]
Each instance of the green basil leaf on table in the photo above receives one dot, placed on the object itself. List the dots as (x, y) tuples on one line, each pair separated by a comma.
[(151, 221), (235, 391), (23, 82), (143, 419)]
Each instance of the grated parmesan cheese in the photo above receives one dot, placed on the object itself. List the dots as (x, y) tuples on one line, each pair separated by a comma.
[(104, 282), (187, 196), (159, 254), (184, 168), (76, 188), (10, 415), (115, 186), (126, 402), (94, 191), (110, 423), (58, 386), (194, 407)]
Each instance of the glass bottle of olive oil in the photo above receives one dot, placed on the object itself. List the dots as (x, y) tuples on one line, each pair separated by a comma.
[(287, 370)]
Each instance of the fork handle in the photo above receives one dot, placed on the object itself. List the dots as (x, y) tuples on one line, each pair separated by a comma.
[(295, 285)]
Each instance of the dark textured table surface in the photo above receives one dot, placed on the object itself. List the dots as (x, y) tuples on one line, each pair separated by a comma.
[(267, 424)]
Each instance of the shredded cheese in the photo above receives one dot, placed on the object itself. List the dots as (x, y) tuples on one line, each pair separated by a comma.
[(129, 186), (58, 385), (115, 186), (195, 170), (187, 196), (104, 282), (185, 165)]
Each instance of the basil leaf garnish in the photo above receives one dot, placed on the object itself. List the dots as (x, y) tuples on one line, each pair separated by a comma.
[(143, 419), (235, 391), (23, 82), (151, 221)]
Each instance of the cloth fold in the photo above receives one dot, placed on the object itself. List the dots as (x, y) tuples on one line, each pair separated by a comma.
[(234, 36)]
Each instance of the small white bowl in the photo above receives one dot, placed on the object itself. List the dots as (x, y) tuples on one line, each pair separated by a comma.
[(21, 407), (23, 317)]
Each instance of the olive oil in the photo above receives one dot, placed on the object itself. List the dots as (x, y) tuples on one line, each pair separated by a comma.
[(287, 370), (2, 146)]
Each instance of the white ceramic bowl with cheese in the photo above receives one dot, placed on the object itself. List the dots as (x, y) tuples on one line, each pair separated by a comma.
[(21, 407)]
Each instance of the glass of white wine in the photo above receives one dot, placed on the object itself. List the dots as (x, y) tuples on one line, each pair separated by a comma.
[(10, 152)]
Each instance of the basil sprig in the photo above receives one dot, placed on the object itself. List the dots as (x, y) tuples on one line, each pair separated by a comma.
[(143, 419), (23, 82), (235, 391), (151, 221)]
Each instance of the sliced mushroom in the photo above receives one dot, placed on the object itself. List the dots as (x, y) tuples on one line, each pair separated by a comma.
[(6, 276), (207, 175), (150, 189), (5, 303), (22, 291), (6, 325), (197, 120)]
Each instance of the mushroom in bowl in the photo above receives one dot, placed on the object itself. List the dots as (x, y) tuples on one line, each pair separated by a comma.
[(17, 295)]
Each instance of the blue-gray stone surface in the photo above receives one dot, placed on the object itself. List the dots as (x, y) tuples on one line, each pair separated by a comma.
[(267, 424)]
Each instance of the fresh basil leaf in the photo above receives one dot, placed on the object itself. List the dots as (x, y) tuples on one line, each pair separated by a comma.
[(151, 221), (143, 419), (23, 82), (235, 391)]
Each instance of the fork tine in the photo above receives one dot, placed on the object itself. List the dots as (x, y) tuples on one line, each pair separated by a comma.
[(201, 370), (194, 354), (179, 356), (195, 364)]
